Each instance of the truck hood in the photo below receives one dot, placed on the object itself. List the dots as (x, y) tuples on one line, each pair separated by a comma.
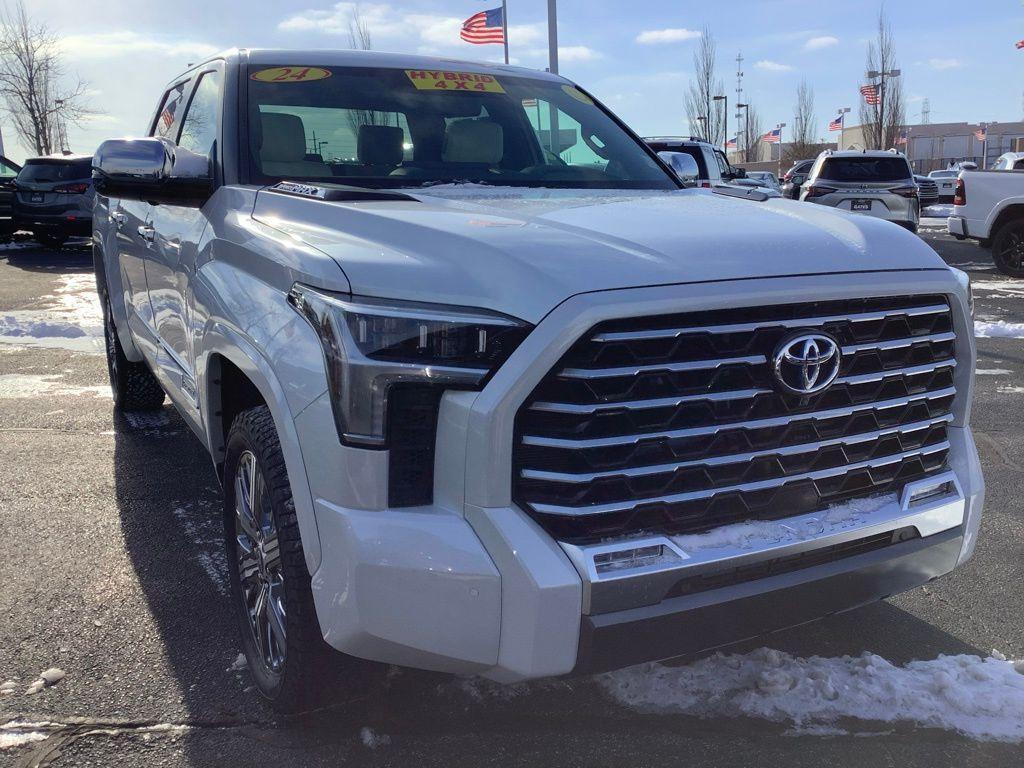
[(523, 251)]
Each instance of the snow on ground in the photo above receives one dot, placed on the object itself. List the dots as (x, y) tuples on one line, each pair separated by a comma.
[(204, 535), (71, 318), (1010, 390), (985, 329), (999, 288), (17, 734), (764, 533), (33, 385), (372, 740), (938, 211), (991, 372), (980, 698)]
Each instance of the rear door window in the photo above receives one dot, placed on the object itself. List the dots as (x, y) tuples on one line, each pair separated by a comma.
[(867, 169)]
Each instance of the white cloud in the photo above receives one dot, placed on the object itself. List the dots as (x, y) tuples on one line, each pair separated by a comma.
[(662, 36), (128, 43), (576, 53), (773, 66), (822, 41), (945, 63)]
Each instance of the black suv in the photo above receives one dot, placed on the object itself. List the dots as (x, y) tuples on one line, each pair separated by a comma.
[(795, 177), (53, 198)]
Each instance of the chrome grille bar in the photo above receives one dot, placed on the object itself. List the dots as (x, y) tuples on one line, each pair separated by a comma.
[(583, 478), (636, 370), (808, 322), (760, 485), (933, 338), (778, 421)]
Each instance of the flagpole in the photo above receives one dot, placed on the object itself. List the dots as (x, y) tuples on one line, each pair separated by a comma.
[(552, 37), (504, 25)]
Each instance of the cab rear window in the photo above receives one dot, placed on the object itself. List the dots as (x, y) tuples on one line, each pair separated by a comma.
[(865, 169)]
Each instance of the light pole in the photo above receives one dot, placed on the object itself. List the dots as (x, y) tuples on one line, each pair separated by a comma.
[(703, 119), (746, 125), (320, 146), (62, 138), (881, 75), (725, 119), (842, 126)]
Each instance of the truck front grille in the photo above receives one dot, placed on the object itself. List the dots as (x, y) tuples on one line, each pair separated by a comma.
[(673, 424)]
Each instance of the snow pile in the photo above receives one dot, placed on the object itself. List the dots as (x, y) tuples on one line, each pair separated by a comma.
[(761, 533), (998, 329), (940, 211), (981, 698), (992, 371), (15, 734), (71, 319), (372, 740), (13, 385)]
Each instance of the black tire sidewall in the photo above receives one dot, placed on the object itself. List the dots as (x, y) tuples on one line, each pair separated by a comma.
[(997, 243)]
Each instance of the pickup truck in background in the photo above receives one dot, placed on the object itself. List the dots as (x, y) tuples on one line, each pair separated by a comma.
[(989, 207), (489, 398)]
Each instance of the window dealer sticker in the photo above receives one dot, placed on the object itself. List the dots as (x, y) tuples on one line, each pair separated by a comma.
[(577, 94), (290, 74), (439, 80)]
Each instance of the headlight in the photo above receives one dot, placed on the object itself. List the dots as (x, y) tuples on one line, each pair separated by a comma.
[(371, 345), (965, 280)]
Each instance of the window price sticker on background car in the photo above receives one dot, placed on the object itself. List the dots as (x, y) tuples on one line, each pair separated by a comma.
[(290, 74), (439, 80)]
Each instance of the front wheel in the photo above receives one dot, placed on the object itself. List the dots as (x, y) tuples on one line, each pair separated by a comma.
[(1008, 248), (292, 665), (133, 385)]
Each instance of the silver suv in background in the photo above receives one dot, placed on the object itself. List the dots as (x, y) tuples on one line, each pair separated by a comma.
[(53, 198), (874, 182)]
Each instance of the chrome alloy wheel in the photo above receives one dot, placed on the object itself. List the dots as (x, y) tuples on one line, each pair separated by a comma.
[(258, 556)]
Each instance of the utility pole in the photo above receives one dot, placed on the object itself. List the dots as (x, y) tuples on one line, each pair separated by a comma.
[(739, 84), (552, 37), (926, 112)]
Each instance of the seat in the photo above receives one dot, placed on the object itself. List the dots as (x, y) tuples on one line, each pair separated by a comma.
[(283, 148), (471, 148), (379, 149)]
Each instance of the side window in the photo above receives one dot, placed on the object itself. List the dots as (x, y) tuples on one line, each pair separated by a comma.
[(199, 128), (723, 165), (1019, 165), (1000, 165), (169, 108), (7, 171)]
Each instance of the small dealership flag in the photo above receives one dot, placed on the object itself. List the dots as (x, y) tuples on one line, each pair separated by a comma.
[(732, 143), (871, 94), (1020, 44), (837, 124), (772, 137), (981, 134), (484, 27)]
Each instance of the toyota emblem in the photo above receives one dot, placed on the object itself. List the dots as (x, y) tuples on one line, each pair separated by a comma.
[(807, 363)]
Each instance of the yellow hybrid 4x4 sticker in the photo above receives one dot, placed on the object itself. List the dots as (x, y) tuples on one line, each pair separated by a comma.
[(290, 74), (437, 80), (577, 94)]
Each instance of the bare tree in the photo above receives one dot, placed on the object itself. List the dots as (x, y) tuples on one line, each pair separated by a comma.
[(33, 83), (805, 124), (752, 131), (360, 39), (704, 113), (883, 122)]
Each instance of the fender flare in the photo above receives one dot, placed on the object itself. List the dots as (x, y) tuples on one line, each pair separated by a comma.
[(996, 215), (221, 339)]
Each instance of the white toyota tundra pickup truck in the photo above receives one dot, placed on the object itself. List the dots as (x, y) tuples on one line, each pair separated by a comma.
[(989, 208), (491, 393)]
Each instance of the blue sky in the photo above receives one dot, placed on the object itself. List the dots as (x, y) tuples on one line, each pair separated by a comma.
[(637, 57)]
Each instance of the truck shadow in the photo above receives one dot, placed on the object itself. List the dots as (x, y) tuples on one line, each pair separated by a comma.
[(74, 257), (169, 506)]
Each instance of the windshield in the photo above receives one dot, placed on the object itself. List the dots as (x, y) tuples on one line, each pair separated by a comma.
[(391, 127), (45, 172), (865, 169)]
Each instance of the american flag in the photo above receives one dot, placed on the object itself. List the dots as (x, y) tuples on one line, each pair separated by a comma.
[(981, 134), (732, 143), (484, 27), (1020, 44), (837, 124), (871, 94), (772, 137)]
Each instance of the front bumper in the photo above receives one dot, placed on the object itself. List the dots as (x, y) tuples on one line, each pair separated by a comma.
[(472, 585)]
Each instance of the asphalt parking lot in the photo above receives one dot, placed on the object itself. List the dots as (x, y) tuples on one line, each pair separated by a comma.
[(111, 570)]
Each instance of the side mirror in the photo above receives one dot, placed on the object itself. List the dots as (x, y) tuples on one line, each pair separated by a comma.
[(151, 169), (683, 165)]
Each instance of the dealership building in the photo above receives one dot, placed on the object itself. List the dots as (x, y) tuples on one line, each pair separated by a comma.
[(933, 146)]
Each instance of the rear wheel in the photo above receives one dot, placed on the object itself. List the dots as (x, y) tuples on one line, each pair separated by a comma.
[(1008, 248), (133, 385), (292, 665)]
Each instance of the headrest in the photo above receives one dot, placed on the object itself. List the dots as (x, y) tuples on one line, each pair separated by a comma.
[(473, 141), (380, 144), (284, 138)]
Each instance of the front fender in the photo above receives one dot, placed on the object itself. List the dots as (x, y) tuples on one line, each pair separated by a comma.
[(222, 339)]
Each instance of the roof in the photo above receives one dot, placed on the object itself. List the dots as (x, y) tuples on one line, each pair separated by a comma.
[(342, 57), (865, 153), (58, 157)]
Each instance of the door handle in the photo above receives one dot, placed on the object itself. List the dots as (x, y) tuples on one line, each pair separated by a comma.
[(147, 233), (118, 218)]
